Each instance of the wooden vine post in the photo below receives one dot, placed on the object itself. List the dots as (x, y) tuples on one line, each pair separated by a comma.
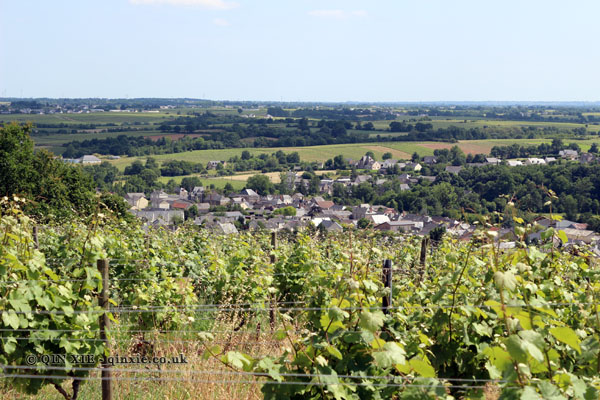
[(387, 276), (104, 324), (423, 259), (36, 240), (272, 315)]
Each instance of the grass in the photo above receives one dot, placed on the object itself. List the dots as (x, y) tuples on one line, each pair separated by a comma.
[(353, 150), (188, 385), (91, 118)]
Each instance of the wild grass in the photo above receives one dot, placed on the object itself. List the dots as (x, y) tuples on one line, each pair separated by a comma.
[(201, 378)]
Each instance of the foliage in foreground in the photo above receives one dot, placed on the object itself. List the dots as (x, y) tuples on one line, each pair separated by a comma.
[(525, 319)]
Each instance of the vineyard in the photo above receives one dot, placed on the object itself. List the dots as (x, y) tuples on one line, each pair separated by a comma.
[(310, 316)]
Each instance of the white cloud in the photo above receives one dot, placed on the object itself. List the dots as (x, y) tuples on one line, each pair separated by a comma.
[(221, 22), (212, 4), (337, 14)]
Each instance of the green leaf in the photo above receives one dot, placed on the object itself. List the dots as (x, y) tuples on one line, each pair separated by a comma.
[(238, 360), (371, 321), (567, 336), (422, 368), (210, 351), (11, 319), (334, 352), (499, 361), (549, 391), (505, 280), (10, 345), (515, 348), (267, 365), (391, 355), (337, 314), (563, 236), (529, 393)]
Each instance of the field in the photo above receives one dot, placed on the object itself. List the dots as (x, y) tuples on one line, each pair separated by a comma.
[(399, 150), (238, 181), (91, 118)]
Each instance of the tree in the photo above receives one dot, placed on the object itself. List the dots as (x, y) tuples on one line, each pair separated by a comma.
[(387, 156), (288, 211), (246, 155), (70, 152), (437, 233), (368, 126), (190, 182), (370, 154), (415, 157), (261, 184), (191, 212), (339, 162), (53, 188), (594, 148), (228, 189), (363, 223)]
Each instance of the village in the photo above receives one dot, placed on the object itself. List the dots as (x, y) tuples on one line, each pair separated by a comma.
[(247, 210)]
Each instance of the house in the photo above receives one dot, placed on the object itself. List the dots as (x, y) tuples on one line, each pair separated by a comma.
[(582, 235), (535, 161), (361, 211), (570, 154), (414, 166), (428, 178), (203, 208), (215, 199), (378, 219), (430, 160), (376, 166), (180, 205), (330, 226), (514, 163), (214, 164), (493, 160), (388, 164), (586, 158), (137, 201), (226, 228), (165, 217), (324, 205), (362, 178), (365, 162), (89, 160), (159, 199), (550, 160), (453, 169), (183, 193), (399, 226), (250, 195), (196, 193)]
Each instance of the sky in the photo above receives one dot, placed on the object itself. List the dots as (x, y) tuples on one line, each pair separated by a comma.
[(302, 50)]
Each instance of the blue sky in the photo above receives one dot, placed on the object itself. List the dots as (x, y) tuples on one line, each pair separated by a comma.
[(302, 50)]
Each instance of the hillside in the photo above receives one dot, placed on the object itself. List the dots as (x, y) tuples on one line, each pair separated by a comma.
[(306, 316)]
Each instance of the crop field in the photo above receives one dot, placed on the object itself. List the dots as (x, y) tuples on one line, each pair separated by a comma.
[(399, 150), (238, 181), (91, 118)]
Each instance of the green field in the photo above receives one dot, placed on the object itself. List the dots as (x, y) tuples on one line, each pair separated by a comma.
[(443, 122), (399, 150), (91, 118)]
